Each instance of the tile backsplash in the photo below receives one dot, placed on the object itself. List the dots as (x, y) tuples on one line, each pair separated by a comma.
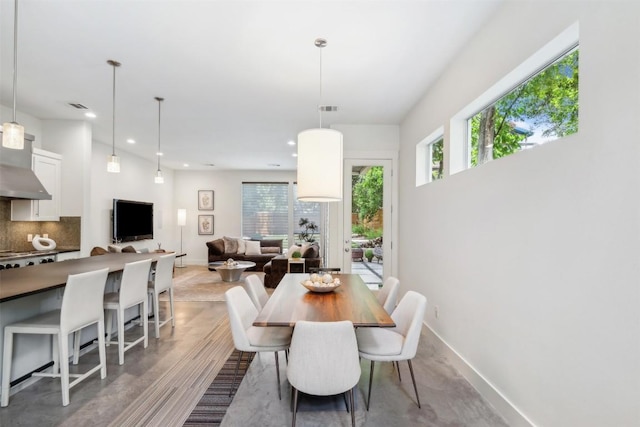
[(13, 234)]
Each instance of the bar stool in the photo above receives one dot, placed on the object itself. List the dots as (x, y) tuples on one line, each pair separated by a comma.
[(162, 282), (133, 292), (81, 307)]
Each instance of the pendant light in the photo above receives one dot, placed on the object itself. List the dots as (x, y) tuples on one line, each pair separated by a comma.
[(113, 161), (12, 132), (320, 158), (159, 179)]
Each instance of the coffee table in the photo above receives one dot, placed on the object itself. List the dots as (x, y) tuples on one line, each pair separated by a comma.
[(231, 273)]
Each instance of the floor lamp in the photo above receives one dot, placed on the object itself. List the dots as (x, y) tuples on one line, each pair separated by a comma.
[(182, 221)]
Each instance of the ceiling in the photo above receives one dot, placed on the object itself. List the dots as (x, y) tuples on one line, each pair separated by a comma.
[(240, 79)]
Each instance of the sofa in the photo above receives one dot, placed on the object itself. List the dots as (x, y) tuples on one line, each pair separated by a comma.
[(238, 249), (275, 269)]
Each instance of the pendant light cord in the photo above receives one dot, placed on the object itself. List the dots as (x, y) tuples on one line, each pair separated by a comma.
[(159, 107), (15, 58), (113, 114), (320, 97)]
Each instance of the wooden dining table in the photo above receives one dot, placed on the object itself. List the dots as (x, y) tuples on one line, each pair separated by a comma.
[(353, 301)]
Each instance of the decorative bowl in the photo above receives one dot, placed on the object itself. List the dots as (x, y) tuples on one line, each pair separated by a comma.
[(321, 287)]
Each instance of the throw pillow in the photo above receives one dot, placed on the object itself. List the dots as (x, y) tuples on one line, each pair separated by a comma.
[(230, 245), (241, 246), (293, 249), (216, 246), (252, 247), (129, 249), (313, 251), (305, 247)]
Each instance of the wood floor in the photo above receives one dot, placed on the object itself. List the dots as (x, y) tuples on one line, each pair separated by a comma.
[(159, 385)]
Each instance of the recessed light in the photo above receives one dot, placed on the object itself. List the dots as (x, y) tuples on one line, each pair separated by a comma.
[(295, 154), (186, 165), (90, 115), (291, 142), (131, 141), (159, 153)]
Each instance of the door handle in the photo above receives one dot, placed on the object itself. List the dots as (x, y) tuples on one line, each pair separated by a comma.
[(346, 249)]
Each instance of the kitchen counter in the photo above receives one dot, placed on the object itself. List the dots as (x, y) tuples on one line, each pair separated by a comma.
[(19, 282), (16, 255)]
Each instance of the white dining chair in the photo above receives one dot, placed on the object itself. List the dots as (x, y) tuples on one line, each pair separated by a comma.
[(388, 294), (398, 343), (249, 338), (255, 288), (81, 307), (133, 292), (162, 282), (323, 361)]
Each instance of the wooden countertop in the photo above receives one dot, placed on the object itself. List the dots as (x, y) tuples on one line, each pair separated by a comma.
[(20, 282)]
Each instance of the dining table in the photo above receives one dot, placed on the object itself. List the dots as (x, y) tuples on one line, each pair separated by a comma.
[(352, 300)]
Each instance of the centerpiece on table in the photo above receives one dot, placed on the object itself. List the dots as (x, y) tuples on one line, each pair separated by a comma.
[(321, 283), (230, 263)]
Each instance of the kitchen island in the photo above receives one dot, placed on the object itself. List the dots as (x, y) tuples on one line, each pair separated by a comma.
[(28, 291)]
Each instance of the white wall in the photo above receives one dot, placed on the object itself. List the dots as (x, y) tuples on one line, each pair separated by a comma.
[(134, 182), (533, 260), (227, 187)]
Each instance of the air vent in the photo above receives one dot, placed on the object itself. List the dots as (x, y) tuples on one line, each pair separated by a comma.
[(273, 165), (78, 106), (329, 108), (209, 164)]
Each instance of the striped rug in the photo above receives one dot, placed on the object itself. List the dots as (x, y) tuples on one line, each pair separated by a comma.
[(213, 405)]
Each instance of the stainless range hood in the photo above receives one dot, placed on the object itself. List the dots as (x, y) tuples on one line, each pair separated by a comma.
[(17, 180)]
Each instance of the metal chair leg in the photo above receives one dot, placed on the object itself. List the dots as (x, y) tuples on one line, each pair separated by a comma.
[(235, 374), (278, 375), (414, 383), (346, 405), (370, 383), (398, 366), (295, 406), (353, 409)]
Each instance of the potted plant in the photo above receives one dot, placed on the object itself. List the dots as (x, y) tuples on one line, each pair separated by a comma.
[(368, 254), (356, 252), (296, 255), (308, 229)]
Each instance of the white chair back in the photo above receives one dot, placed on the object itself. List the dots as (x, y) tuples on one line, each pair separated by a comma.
[(164, 272), (133, 286), (242, 313), (388, 295), (258, 294), (82, 300), (323, 357), (408, 317)]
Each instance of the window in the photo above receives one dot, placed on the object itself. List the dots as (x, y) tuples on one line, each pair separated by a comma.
[(435, 159), (429, 158), (267, 209), (542, 109)]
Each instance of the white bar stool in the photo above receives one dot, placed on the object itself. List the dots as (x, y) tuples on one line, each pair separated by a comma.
[(162, 282), (81, 307), (133, 292)]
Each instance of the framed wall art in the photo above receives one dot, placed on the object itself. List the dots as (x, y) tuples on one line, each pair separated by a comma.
[(205, 200), (205, 224)]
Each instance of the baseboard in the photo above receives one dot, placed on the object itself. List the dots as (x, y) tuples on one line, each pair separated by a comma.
[(499, 402)]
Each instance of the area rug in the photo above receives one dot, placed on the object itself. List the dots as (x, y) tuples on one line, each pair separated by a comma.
[(213, 405), (197, 283)]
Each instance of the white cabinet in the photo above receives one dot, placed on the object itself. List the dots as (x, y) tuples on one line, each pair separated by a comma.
[(46, 166), (63, 256)]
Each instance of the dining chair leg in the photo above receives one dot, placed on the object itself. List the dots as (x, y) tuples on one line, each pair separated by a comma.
[(414, 383), (278, 375), (398, 366), (370, 384), (76, 346), (346, 405), (156, 313), (295, 406), (235, 374), (353, 409)]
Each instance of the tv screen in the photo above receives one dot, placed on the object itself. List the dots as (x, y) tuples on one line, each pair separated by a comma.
[(132, 220)]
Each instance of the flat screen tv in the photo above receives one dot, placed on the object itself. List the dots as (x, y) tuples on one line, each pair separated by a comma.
[(132, 220)]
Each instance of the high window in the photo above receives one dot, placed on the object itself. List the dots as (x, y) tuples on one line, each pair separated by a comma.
[(429, 158), (541, 109)]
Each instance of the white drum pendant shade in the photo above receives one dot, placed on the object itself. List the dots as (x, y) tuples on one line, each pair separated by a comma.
[(320, 165), (13, 136)]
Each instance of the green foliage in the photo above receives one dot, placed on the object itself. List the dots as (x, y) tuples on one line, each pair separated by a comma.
[(373, 233), (308, 230), (367, 193), (359, 229), (437, 164), (368, 254), (548, 101), (296, 254)]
